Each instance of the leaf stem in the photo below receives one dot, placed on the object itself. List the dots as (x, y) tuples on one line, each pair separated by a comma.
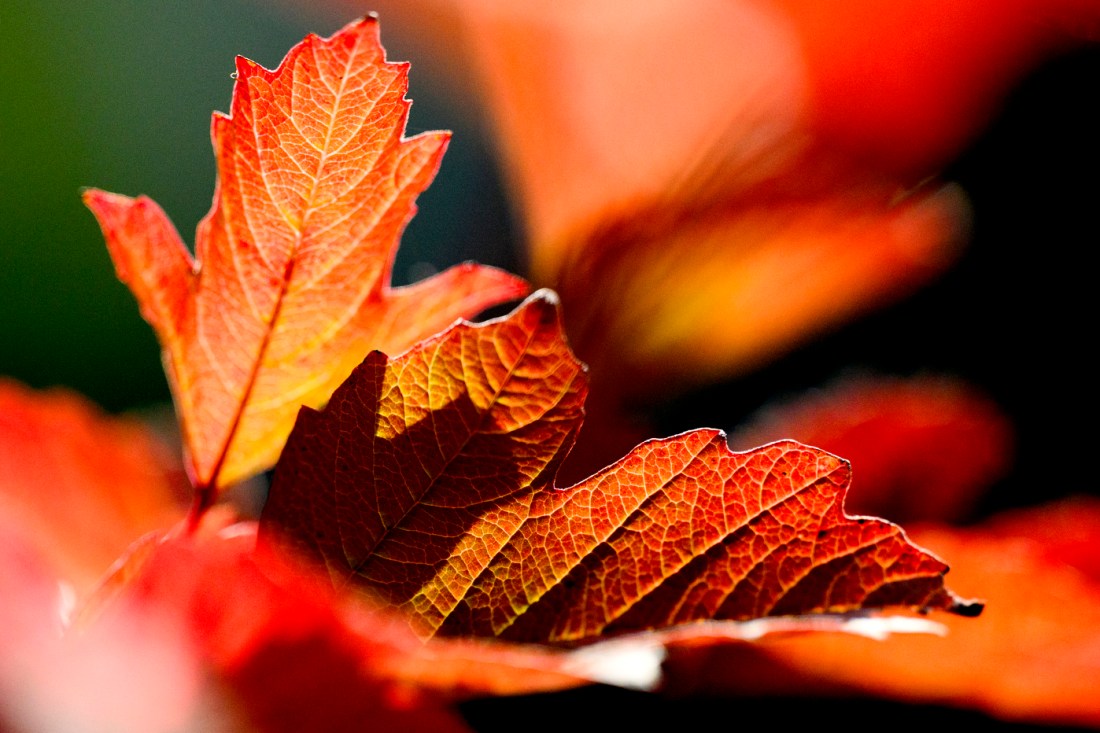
[(205, 495)]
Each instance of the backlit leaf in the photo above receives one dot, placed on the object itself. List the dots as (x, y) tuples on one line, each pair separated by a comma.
[(289, 286), (428, 481)]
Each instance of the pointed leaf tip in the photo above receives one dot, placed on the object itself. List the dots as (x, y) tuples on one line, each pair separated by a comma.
[(968, 608), (544, 308)]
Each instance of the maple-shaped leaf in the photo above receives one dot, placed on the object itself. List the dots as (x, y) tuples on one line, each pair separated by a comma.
[(289, 287), (428, 479)]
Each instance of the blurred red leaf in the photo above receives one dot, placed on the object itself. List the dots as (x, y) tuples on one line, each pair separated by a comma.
[(209, 635), (707, 189), (1065, 533), (1034, 657), (290, 283), (279, 642), (694, 183), (923, 449), (903, 84), (133, 674), (294, 654), (80, 484), (428, 481)]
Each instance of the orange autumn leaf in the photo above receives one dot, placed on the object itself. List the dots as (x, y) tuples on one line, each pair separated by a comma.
[(1034, 657), (289, 286), (81, 484), (924, 448), (428, 482)]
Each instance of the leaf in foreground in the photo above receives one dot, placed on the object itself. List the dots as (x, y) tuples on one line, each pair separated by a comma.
[(134, 673), (82, 485), (296, 655), (428, 481), (290, 283)]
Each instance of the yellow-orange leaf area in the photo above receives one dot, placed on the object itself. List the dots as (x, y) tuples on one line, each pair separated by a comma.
[(289, 287), (428, 482)]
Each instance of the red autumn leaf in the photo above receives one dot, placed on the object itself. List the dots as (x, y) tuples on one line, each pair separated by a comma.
[(1034, 657), (428, 481), (1064, 533), (204, 632), (207, 636), (280, 644), (81, 484), (924, 448), (290, 283)]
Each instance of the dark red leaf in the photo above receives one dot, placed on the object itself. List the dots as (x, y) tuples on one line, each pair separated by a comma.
[(428, 482)]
